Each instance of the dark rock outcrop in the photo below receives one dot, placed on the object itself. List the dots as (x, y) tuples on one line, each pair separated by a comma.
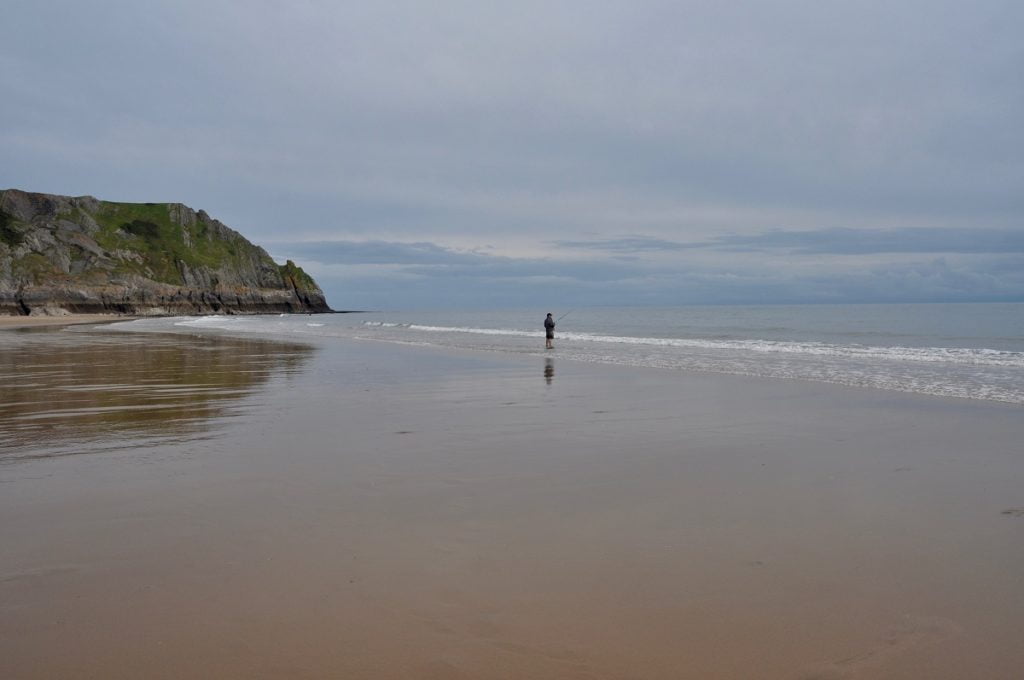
[(63, 254)]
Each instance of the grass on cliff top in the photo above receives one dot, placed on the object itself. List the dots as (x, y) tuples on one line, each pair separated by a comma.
[(293, 273), (147, 229)]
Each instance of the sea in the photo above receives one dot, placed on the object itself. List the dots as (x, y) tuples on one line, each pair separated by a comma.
[(961, 350)]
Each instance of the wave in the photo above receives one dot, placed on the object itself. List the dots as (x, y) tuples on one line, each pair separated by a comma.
[(971, 373), (946, 355)]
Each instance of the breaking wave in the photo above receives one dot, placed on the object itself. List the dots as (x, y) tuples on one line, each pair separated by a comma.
[(952, 355), (950, 371)]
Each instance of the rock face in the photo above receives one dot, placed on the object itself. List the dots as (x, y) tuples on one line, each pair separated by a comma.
[(63, 254)]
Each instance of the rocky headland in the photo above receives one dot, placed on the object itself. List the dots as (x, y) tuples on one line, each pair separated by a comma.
[(79, 255)]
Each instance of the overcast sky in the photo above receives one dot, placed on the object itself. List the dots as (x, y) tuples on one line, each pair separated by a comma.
[(413, 154)]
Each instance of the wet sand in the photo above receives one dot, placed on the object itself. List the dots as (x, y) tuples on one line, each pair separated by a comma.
[(373, 511), (7, 322)]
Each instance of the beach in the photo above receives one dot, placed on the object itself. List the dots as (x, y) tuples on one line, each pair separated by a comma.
[(193, 505), (8, 322)]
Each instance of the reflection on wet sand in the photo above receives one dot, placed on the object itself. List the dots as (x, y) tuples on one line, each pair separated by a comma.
[(549, 371), (63, 388)]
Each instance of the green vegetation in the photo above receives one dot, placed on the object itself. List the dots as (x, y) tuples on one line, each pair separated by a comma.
[(8, 234), (293, 274), (147, 229), (142, 228), (34, 267), (144, 240)]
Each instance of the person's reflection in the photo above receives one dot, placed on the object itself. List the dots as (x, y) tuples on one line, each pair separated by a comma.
[(549, 371)]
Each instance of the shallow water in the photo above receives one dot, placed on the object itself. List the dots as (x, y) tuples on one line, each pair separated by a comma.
[(970, 351)]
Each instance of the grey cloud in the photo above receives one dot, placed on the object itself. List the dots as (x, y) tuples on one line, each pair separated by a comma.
[(544, 284), (829, 241), (378, 252), (609, 272), (634, 244), (875, 241), (432, 261), (365, 274), (592, 125)]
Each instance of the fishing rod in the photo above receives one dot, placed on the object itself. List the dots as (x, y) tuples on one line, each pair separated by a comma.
[(564, 315)]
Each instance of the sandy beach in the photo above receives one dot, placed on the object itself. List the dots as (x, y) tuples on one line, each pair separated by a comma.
[(197, 507), (7, 322)]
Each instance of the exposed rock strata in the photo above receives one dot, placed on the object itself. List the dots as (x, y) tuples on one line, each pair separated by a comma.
[(63, 254)]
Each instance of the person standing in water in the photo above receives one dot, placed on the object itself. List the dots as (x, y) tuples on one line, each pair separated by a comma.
[(549, 332)]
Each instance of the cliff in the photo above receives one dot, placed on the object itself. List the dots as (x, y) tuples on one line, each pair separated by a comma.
[(63, 254)]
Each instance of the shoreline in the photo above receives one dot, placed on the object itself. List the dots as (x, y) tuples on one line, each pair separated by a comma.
[(8, 322), (500, 354), (17, 322)]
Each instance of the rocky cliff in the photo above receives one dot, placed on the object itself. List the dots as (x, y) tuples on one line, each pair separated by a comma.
[(63, 254)]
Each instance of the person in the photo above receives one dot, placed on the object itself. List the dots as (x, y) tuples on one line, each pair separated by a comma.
[(549, 332)]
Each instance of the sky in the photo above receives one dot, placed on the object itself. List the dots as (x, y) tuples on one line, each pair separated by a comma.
[(480, 154)]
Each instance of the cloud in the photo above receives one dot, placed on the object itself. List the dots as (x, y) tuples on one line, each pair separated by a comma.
[(698, 150), (433, 261), (873, 241), (629, 244), (827, 241), (378, 252), (381, 274)]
